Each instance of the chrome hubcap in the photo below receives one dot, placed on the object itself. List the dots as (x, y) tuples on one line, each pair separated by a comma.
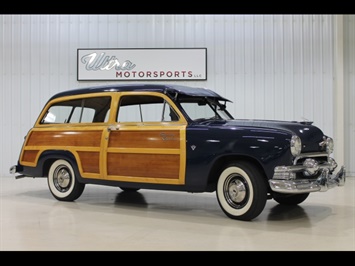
[(235, 191), (61, 179)]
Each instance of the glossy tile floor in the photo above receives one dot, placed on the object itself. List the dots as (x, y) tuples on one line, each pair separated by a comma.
[(105, 218)]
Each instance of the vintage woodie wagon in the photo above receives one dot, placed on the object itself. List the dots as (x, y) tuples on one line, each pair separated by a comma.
[(178, 138)]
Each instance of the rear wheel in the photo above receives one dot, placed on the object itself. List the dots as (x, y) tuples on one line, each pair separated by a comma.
[(62, 182), (241, 191)]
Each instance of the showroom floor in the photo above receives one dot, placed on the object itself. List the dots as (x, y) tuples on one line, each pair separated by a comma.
[(105, 218)]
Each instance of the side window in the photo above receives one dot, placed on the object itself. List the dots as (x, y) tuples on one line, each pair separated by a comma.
[(86, 110), (83, 115), (145, 108)]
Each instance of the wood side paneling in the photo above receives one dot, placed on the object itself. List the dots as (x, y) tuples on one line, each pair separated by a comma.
[(144, 165), (30, 156), (90, 161), (65, 138), (145, 139), (86, 144)]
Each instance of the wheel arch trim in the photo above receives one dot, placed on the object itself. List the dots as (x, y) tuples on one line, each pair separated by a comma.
[(49, 156), (223, 160)]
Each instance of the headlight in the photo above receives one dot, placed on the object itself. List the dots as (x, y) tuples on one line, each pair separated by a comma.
[(296, 145), (329, 145)]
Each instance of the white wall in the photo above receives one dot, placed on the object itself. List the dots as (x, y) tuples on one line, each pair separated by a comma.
[(270, 66)]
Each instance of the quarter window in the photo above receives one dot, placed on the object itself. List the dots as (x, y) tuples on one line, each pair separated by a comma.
[(87, 110)]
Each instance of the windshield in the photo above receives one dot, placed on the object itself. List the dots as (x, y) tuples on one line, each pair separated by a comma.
[(203, 109)]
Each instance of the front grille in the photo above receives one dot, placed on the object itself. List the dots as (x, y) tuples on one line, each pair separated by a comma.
[(321, 157)]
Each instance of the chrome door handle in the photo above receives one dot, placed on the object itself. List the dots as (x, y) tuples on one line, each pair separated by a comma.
[(113, 127)]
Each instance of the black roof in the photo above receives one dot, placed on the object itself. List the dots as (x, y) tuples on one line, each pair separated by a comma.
[(163, 88)]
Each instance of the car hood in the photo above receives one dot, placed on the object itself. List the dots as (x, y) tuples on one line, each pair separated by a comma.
[(310, 135)]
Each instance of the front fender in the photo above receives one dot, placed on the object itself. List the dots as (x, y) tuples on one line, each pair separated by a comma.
[(206, 145)]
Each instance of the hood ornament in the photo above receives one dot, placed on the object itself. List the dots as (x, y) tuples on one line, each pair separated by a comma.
[(305, 121)]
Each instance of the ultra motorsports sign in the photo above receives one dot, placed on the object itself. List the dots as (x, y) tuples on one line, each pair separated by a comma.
[(142, 64)]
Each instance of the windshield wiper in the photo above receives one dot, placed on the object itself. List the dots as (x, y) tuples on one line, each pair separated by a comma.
[(207, 119)]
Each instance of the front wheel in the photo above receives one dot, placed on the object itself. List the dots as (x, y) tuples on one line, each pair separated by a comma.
[(241, 191), (62, 182)]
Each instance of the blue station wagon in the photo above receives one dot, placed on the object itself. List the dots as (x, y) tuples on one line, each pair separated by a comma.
[(177, 138)]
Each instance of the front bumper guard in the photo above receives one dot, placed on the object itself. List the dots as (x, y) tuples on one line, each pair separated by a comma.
[(323, 183)]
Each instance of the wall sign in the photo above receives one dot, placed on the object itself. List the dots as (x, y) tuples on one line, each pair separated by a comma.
[(142, 64)]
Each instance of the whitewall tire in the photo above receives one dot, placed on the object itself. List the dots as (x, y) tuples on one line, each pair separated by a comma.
[(62, 181), (241, 191)]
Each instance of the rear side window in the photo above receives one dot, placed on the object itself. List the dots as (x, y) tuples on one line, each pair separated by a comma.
[(86, 110)]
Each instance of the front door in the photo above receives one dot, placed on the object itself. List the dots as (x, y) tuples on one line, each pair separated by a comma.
[(148, 143)]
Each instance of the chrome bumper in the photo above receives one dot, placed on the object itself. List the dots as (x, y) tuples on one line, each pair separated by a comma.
[(13, 170), (295, 186)]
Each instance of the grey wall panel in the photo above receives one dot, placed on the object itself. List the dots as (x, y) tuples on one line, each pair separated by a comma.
[(270, 66)]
